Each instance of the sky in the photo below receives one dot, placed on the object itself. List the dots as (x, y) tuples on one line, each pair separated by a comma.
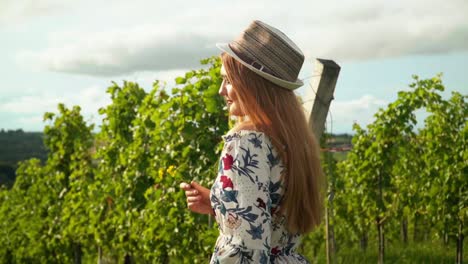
[(67, 51)]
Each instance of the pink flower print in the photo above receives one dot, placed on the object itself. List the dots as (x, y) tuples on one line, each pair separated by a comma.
[(228, 160), (227, 183), (233, 221), (275, 251)]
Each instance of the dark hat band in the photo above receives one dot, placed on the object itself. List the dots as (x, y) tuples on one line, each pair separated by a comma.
[(251, 61)]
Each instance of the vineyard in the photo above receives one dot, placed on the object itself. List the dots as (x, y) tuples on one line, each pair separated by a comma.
[(399, 196)]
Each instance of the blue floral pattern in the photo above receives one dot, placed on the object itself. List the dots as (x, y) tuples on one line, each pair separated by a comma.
[(245, 198)]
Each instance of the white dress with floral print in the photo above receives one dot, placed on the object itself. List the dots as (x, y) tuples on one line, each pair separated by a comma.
[(245, 198)]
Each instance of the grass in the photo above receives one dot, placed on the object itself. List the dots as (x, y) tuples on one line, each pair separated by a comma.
[(426, 252)]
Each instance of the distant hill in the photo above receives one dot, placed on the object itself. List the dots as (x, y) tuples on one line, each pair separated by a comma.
[(15, 146)]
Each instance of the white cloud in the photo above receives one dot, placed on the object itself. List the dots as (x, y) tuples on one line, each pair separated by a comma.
[(89, 99), (30, 104), (143, 48), (13, 12), (361, 111), (32, 108), (367, 104), (152, 36), (377, 29), (343, 114)]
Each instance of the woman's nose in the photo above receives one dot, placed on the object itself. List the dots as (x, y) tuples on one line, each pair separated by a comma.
[(222, 89)]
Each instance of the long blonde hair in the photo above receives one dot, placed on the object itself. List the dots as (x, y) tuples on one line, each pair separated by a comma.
[(277, 112)]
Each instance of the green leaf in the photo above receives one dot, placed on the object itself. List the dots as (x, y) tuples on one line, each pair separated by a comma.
[(180, 80)]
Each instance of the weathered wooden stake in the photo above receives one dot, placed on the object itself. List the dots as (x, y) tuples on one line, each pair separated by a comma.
[(323, 85)]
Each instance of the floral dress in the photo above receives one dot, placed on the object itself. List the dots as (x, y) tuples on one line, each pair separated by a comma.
[(245, 198)]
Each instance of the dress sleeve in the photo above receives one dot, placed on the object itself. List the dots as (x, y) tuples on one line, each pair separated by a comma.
[(243, 202)]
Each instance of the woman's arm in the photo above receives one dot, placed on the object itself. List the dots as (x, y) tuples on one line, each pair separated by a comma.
[(243, 202)]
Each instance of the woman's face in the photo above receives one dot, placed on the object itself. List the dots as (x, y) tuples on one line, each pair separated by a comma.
[(229, 93)]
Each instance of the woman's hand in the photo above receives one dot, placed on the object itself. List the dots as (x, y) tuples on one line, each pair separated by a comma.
[(198, 198)]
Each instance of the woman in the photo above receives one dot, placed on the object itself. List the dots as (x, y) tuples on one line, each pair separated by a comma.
[(267, 192)]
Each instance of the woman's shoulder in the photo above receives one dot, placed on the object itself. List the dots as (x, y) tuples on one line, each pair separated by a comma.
[(251, 146), (244, 135), (247, 134)]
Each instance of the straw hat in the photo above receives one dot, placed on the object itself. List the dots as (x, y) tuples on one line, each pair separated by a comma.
[(269, 53)]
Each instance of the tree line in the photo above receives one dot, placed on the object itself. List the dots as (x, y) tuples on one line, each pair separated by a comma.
[(17, 145)]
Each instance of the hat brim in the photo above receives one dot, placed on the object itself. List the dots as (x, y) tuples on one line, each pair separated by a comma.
[(285, 84)]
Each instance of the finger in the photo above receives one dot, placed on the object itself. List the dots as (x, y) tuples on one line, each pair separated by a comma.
[(197, 186), (185, 186), (193, 199), (192, 193)]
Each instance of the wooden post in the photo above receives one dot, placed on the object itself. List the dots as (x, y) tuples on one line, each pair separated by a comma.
[(460, 238), (78, 253), (327, 236), (99, 259), (323, 84)]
